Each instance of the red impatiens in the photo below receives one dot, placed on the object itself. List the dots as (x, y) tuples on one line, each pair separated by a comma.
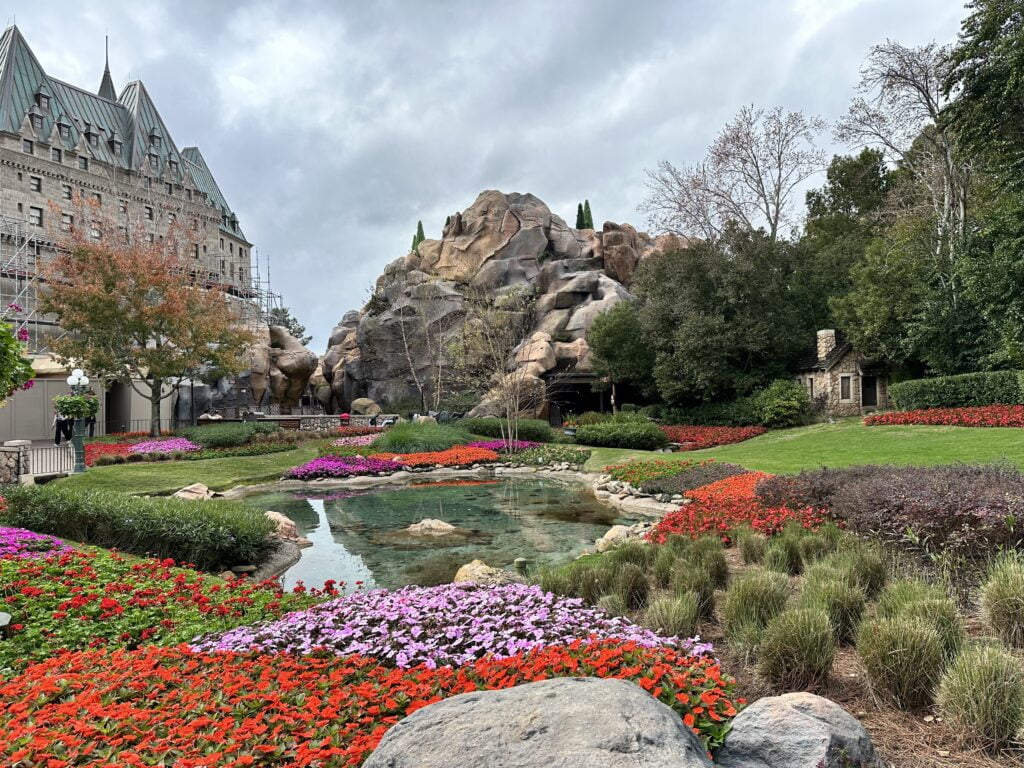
[(982, 416), (459, 456), (719, 507), (170, 707), (693, 438), (94, 450)]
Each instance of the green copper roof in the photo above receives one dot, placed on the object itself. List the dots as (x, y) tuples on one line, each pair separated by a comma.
[(131, 121)]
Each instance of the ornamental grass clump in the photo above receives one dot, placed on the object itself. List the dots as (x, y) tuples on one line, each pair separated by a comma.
[(944, 618), (904, 659), (783, 555), (632, 586), (708, 553), (661, 571), (751, 545), (842, 603), (797, 649), (449, 624), (861, 565), (613, 605), (425, 437), (638, 553), (981, 696), (899, 594), (754, 599), (1002, 599), (691, 579), (673, 616)]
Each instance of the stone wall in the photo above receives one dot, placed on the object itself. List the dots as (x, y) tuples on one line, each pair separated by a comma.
[(14, 461)]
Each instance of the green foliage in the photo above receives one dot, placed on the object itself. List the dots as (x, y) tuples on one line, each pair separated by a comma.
[(895, 598), (741, 412), (783, 555), (544, 455), (754, 599), (209, 534), (536, 430), (1002, 599), (636, 552), (843, 604), (588, 217), (708, 553), (966, 389), (674, 616), (617, 346), (77, 406), (862, 566), (409, 437), (613, 605), (944, 618), (227, 435), (797, 649), (904, 659), (751, 545), (629, 431), (632, 586), (15, 368), (419, 237), (691, 579), (784, 403), (581, 220), (981, 696)]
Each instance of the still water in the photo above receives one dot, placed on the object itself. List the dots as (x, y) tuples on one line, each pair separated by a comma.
[(361, 536)]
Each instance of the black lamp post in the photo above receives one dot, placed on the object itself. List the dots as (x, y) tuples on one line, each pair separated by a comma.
[(78, 382)]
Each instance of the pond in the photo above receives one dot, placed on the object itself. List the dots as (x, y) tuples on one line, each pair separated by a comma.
[(361, 535)]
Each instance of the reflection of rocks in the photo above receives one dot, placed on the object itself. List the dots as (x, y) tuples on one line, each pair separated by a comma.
[(407, 538), (501, 241)]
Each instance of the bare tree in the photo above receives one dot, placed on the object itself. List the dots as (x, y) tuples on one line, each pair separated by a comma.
[(898, 110), (752, 170), (423, 339), (484, 353)]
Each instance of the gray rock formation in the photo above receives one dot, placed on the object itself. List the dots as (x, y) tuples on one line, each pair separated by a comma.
[(796, 730), (500, 241), (280, 367), (559, 723)]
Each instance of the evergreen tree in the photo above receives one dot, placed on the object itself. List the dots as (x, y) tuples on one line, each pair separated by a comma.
[(420, 237), (588, 218), (581, 220), (413, 246)]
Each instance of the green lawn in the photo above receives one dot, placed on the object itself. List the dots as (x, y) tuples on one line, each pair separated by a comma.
[(846, 443), (152, 478)]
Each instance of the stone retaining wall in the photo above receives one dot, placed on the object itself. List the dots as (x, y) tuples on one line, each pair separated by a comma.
[(14, 461)]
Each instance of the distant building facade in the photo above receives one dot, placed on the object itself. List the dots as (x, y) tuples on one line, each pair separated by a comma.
[(843, 381), (59, 142)]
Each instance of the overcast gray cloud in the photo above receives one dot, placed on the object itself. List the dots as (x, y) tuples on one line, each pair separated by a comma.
[(333, 127)]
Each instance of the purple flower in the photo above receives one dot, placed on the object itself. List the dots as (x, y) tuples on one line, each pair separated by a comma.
[(451, 624), (358, 440), (17, 542), (342, 466), (164, 446), (502, 445)]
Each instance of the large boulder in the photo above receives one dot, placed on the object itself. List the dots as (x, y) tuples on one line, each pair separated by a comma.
[(559, 723), (797, 730), (480, 572), (364, 406)]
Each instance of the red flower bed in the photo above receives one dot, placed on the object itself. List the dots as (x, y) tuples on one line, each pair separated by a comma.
[(723, 505), (459, 456), (354, 431), (693, 438), (982, 416), (168, 706), (94, 450)]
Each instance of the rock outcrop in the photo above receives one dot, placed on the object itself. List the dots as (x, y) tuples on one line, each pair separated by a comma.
[(281, 366), (560, 723), (501, 242)]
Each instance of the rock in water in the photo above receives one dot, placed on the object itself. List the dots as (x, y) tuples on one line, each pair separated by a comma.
[(797, 730), (582, 722), (194, 491), (431, 527)]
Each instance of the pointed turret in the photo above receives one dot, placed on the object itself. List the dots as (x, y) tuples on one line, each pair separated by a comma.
[(107, 83)]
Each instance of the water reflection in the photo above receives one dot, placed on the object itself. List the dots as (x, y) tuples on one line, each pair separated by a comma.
[(361, 536)]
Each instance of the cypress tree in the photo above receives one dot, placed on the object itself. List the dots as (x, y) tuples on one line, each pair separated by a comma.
[(413, 246), (588, 219), (420, 237), (581, 221)]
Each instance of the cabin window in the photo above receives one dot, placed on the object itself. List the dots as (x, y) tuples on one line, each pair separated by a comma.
[(844, 388)]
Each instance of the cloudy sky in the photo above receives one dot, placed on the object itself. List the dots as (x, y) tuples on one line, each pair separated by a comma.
[(333, 126)]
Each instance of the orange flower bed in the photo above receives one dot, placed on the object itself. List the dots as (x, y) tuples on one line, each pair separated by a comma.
[(459, 456)]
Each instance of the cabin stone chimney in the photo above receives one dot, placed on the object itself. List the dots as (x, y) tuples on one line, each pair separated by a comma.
[(826, 342)]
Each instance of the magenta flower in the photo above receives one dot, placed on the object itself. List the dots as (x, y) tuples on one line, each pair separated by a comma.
[(164, 446), (342, 466), (502, 445), (17, 542)]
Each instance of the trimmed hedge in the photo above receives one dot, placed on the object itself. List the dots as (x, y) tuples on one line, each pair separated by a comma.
[(209, 534), (966, 389), (536, 430), (635, 433)]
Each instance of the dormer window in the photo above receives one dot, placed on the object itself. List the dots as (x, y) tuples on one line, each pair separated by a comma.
[(37, 122), (91, 135), (115, 146), (154, 160), (65, 130), (43, 100), (173, 164), (94, 140), (154, 139)]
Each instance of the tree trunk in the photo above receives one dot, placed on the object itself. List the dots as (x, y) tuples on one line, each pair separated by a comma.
[(615, 400), (154, 406)]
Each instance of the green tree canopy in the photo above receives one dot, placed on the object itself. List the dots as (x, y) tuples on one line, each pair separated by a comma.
[(619, 354), (581, 221), (588, 218)]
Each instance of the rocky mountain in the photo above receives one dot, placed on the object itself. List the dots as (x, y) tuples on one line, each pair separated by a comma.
[(500, 242)]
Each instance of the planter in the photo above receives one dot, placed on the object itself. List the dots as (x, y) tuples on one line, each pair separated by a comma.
[(570, 431)]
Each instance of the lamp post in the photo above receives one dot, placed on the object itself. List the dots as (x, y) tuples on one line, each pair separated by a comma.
[(78, 381)]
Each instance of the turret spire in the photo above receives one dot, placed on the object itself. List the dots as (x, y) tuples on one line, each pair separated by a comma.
[(107, 83)]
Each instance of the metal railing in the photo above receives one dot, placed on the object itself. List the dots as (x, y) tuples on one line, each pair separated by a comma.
[(52, 460)]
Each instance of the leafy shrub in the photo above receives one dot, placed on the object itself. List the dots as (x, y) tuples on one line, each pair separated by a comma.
[(754, 598), (904, 659), (797, 649), (209, 534), (639, 471), (674, 616), (691, 476), (409, 437), (734, 413), (783, 403), (966, 389), (544, 455), (529, 429), (632, 586), (1002, 599), (982, 697), (751, 544), (227, 435), (842, 603), (635, 433), (590, 417)]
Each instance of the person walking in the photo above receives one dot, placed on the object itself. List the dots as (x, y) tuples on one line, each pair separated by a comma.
[(62, 427)]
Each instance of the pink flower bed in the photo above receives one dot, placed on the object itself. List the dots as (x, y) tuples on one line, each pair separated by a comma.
[(164, 446)]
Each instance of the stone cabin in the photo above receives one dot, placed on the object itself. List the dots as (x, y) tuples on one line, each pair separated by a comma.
[(848, 383)]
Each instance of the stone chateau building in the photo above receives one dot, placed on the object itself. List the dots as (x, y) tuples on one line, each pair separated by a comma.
[(59, 142), (846, 382)]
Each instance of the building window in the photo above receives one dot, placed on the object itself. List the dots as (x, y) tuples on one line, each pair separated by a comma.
[(195, 251), (56, 155), (149, 213), (26, 146), (35, 183), (222, 243), (94, 139), (173, 164), (94, 230), (37, 122), (115, 147), (169, 188), (231, 248), (188, 195), (810, 386), (65, 191), (98, 198), (35, 217), (122, 206), (67, 221), (147, 183), (83, 163), (65, 131), (43, 100), (844, 388), (222, 266)]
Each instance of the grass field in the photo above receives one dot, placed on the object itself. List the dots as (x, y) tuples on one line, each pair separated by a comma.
[(849, 442), (163, 477)]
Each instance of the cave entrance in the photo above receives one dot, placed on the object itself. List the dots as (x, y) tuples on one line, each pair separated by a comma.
[(569, 395)]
